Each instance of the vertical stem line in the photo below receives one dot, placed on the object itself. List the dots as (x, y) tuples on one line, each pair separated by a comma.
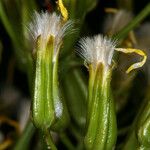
[(143, 14), (49, 140)]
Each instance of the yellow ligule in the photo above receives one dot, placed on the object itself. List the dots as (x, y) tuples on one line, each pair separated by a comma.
[(137, 51), (63, 10)]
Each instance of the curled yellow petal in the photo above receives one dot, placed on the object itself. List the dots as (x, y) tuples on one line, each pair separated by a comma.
[(111, 10), (137, 51), (63, 10)]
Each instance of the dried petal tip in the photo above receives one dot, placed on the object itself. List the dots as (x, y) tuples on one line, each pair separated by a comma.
[(49, 24), (137, 51), (97, 49)]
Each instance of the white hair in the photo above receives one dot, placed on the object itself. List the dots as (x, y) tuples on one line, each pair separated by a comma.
[(97, 49), (46, 24)]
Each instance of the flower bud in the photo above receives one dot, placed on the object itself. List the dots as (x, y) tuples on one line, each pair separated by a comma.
[(43, 107), (101, 128), (48, 109)]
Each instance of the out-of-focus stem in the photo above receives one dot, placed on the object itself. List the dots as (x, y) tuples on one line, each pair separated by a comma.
[(66, 141), (24, 140), (139, 18)]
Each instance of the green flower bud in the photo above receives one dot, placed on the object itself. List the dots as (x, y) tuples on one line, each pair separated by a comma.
[(75, 92), (43, 107), (48, 109), (101, 120), (101, 128)]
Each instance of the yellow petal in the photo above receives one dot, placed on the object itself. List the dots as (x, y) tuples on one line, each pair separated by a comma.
[(63, 10), (137, 51)]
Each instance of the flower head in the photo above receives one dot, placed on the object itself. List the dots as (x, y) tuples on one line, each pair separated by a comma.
[(97, 49), (49, 24)]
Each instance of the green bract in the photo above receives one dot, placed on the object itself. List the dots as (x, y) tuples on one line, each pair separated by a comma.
[(43, 107), (48, 108), (101, 120), (101, 128)]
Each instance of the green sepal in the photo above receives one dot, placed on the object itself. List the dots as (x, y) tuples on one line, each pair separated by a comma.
[(61, 112), (101, 120), (42, 107)]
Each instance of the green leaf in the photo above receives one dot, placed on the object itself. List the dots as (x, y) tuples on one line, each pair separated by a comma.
[(74, 89)]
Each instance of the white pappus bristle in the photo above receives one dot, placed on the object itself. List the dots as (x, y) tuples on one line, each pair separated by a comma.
[(97, 49), (46, 24)]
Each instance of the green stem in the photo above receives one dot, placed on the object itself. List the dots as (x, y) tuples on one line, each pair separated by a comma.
[(24, 140), (139, 18), (49, 140)]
